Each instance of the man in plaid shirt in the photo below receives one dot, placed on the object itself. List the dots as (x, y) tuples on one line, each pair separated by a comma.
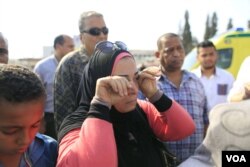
[(185, 88)]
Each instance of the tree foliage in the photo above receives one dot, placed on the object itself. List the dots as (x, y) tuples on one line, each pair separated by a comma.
[(230, 24), (211, 26), (187, 35), (207, 29), (214, 24)]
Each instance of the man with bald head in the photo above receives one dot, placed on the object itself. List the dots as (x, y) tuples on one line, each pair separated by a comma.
[(46, 69), (185, 88), (4, 53)]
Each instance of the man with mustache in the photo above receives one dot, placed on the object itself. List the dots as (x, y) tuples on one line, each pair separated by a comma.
[(185, 88)]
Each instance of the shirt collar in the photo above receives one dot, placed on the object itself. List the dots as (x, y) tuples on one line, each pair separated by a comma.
[(199, 74)]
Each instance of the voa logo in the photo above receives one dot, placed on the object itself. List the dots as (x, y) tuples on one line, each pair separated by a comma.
[(236, 158)]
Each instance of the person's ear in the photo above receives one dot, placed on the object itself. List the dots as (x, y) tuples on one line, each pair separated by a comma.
[(59, 46), (157, 54), (82, 38)]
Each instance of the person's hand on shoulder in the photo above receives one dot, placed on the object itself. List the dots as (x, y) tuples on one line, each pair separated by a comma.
[(242, 94), (247, 91)]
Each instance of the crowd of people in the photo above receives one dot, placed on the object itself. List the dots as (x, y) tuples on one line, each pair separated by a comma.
[(91, 106)]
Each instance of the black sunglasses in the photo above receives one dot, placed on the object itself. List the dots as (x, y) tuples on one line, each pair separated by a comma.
[(97, 31), (3, 51), (108, 47)]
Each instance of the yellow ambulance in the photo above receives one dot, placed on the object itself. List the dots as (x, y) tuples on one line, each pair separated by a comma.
[(233, 47)]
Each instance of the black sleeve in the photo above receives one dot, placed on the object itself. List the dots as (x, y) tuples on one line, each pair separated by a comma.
[(163, 104)]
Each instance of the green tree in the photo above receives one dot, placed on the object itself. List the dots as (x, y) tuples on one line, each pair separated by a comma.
[(214, 23), (187, 35), (207, 29), (230, 24), (211, 26)]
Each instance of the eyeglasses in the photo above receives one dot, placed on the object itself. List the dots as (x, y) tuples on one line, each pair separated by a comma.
[(3, 51), (108, 47), (97, 31)]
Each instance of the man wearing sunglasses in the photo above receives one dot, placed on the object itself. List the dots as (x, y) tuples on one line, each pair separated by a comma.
[(4, 53), (92, 29)]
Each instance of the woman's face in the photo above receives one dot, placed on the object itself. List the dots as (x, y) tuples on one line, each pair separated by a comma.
[(126, 67)]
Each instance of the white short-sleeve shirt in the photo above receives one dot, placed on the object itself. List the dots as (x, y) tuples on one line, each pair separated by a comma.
[(216, 86)]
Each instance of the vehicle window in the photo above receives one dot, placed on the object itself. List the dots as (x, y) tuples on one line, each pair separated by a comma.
[(225, 58)]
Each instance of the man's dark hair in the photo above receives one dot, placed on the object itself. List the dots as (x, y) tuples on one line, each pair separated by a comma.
[(205, 44), (166, 36), (19, 84), (58, 40)]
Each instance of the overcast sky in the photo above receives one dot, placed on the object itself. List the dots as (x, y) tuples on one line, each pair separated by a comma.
[(31, 24)]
